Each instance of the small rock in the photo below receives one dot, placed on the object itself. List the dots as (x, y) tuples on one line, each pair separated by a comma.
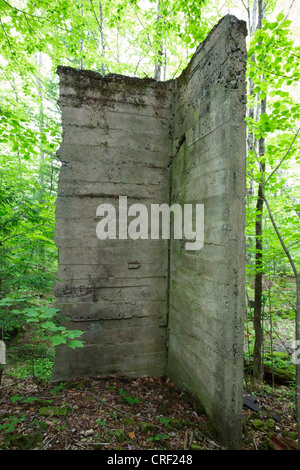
[(89, 432)]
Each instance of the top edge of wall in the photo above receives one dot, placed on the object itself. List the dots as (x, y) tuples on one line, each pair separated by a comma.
[(227, 20), (230, 24), (70, 72), (76, 74)]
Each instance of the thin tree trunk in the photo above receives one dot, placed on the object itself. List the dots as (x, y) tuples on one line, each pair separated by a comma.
[(258, 344), (81, 43), (258, 288), (101, 30), (102, 39), (41, 248), (165, 66), (254, 15), (257, 354), (118, 47), (158, 64)]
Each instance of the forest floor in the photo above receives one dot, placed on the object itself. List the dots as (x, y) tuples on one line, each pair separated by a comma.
[(117, 413)]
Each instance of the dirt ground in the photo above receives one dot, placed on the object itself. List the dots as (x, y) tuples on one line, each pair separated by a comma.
[(130, 414)]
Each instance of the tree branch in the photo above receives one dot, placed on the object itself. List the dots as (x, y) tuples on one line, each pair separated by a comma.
[(284, 157), (284, 247), (290, 7), (246, 8), (34, 16), (5, 32)]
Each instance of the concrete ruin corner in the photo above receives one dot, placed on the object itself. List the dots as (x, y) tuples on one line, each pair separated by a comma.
[(150, 306)]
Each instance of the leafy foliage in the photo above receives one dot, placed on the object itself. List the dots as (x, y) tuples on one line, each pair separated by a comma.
[(273, 72)]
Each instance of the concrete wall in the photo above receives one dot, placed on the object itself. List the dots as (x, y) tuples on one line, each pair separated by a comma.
[(115, 143), (150, 306), (207, 286)]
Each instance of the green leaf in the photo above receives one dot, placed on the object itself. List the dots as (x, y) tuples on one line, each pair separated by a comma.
[(280, 17), (262, 96), (76, 344), (58, 339)]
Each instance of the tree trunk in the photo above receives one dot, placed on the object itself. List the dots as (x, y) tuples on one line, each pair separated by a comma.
[(257, 354), (158, 64), (102, 39), (81, 43), (41, 194)]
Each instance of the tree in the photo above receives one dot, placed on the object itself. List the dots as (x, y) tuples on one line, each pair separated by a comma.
[(274, 68)]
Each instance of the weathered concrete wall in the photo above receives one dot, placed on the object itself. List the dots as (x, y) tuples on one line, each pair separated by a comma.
[(150, 306), (115, 143), (207, 286)]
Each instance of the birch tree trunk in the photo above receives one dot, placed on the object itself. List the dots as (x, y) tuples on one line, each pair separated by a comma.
[(158, 64), (102, 39)]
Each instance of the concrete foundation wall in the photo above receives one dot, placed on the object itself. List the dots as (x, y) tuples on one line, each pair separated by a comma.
[(115, 143), (150, 306), (207, 286)]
